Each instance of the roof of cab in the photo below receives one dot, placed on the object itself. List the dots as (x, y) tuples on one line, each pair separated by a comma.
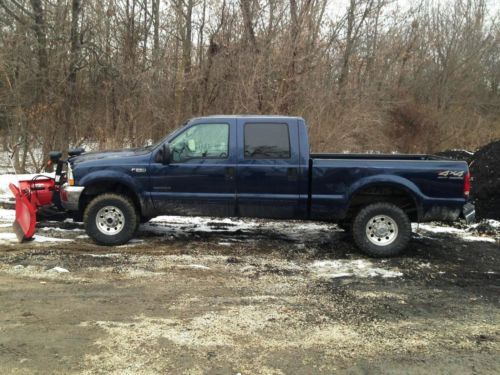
[(250, 117)]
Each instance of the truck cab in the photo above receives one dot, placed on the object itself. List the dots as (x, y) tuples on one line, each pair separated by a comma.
[(226, 166)]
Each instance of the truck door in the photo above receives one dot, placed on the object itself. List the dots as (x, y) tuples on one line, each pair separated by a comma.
[(268, 168), (200, 178)]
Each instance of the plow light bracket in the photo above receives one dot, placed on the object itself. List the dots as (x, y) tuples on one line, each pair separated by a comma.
[(76, 151), (55, 160), (55, 156)]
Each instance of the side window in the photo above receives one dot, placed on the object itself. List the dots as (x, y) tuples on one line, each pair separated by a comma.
[(201, 141), (267, 141)]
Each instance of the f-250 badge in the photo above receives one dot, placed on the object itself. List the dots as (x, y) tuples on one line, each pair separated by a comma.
[(451, 174)]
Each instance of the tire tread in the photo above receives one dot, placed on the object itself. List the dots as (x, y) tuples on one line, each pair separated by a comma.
[(125, 235), (390, 209)]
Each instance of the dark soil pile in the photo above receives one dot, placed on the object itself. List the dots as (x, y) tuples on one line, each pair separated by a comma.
[(485, 190), (455, 154)]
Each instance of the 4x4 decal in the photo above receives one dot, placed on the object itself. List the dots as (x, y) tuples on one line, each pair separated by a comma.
[(451, 174)]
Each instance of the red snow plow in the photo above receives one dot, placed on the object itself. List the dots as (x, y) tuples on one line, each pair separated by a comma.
[(34, 193), (31, 195)]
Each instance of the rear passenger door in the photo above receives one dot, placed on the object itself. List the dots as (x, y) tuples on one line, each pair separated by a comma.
[(268, 168)]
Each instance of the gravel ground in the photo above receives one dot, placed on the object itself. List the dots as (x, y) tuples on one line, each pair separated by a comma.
[(199, 296)]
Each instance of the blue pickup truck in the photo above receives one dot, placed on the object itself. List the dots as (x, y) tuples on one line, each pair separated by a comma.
[(261, 167)]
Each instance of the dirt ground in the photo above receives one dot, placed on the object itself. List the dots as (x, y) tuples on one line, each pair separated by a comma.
[(248, 297)]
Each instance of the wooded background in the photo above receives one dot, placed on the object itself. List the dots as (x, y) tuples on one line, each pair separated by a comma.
[(367, 75)]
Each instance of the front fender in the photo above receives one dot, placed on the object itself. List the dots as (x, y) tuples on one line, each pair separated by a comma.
[(109, 176)]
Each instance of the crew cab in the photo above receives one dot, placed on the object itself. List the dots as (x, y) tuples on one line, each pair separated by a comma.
[(261, 167)]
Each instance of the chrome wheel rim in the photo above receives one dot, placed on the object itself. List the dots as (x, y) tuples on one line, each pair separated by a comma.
[(381, 230), (110, 220)]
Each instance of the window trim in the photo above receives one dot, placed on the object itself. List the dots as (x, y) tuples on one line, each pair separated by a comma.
[(205, 158), (267, 123)]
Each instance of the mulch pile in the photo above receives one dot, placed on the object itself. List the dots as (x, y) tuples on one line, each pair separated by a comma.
[(455, 154), (485, 170), (485, 189)]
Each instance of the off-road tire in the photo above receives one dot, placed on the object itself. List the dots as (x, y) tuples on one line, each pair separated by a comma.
[(129, 213), (381, 209)]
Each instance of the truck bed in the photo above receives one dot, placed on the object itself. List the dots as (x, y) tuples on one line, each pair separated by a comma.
[(436, 184)]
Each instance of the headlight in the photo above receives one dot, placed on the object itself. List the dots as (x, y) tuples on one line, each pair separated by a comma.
[(69, 175)]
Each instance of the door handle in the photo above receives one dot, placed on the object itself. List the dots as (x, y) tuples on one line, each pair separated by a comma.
[(229, 173), (293, 174)]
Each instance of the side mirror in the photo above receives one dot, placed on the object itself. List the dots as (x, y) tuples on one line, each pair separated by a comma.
[(166, 153), (163, 155)]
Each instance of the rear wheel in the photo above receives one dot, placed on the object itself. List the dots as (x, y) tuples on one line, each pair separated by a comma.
[(381, 229), (111, 219)]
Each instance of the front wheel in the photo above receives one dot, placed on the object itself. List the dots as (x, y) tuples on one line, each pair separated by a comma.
[(110, 219), (381, 229)]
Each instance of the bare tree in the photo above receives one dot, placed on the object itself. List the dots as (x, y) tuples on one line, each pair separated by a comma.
[(124, 72)]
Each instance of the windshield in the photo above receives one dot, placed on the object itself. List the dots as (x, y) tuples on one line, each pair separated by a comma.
[(162, 140)]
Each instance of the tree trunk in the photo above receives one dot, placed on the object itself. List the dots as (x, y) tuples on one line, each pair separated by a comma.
[(71, 95), (344, 73), (156, 32), (247, 20), (41, 37), (186, 60)]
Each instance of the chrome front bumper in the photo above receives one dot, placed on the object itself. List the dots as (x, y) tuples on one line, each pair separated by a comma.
[(70, 196)]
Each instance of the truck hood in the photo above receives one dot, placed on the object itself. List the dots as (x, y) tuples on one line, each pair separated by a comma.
[(111, 154)]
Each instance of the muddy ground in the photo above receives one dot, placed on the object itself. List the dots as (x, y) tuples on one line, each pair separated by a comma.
[(249, 297)]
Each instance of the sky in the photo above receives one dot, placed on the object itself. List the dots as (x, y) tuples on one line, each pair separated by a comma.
[(337, 7)]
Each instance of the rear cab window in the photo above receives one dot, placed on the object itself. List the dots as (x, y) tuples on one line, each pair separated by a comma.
[(266, 141)]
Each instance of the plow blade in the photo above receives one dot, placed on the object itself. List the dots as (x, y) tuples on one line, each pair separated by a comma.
[(25, 224)]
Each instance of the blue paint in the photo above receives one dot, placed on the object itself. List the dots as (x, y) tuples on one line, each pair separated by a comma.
[(303, 186)]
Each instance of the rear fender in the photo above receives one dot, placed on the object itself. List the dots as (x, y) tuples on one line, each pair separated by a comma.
[(387, 181)]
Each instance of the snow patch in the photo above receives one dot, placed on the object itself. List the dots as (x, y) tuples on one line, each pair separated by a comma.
[(178, 226), (11, 238), (57, 229), (7, 215), (478, 238), (464, 234), (492, 223), (58, 270), (133, 242), (439, 229), (38, 238), (198, 266), (350, 268)]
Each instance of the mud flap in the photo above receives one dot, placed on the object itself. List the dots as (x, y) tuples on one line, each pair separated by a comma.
[(25, 224)]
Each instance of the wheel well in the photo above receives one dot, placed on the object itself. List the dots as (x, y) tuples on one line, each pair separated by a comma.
[(98, 188), (399, 196)]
